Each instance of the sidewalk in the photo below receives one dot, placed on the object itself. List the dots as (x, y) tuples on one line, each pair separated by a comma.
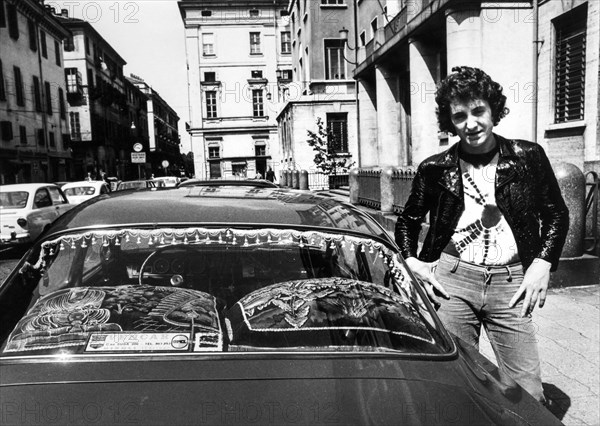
[(569, 344)]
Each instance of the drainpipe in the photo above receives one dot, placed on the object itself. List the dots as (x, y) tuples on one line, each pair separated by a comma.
[(355, 17), (534, 121)]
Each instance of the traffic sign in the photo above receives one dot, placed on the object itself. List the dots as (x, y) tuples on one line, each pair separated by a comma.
[(138, 157), (137, 147), (165, 164)]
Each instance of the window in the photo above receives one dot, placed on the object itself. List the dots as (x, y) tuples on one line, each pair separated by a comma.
[(37, 97), (87, 45), (332, 2), (286, 42), (75, 126), (211, 104), (257, 103), (286, 75), (57, 53), (569, 98), (256, 74), (363, 38), (335, 66), (72, 80), (260, 150), (61, 103), (214, 152), (48, 98), (6, 130), (19, 86), (210, 76), (254, 43), (2, 15), (337, 132), (2, 89), (51, 139), (208, 44), (43, 43), (373, 27), (56, 197), (41, 140), (23, 135), (69, 45), (42, 199), (13, 22), (32, 35), (90, 78)]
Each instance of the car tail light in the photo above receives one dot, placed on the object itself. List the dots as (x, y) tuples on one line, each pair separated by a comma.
[(22, 222)]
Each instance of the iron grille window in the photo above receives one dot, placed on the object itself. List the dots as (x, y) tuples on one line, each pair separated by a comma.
[(254, 43), (37, 97), (286, 42), (257, 103), (569, 97), (208, 44), (335, 66), (43, 43), (19, 86), (211, 104), (2, 89), (32, 35), (2, 15), (214, 152), (48, 98), (13, 22), (337, 132), (75, 126)]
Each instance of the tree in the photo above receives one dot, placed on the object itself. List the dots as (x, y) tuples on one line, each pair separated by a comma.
[(326, 159)]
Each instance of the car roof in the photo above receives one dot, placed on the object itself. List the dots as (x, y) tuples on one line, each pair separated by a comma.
[(231, 182), (25, 186), (220, 206), (95, 183)]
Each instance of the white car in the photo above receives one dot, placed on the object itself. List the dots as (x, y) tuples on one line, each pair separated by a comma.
[(27, 209), (169, 181), (78, 192)]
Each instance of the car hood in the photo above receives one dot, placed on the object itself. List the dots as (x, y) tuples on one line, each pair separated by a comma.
[(261, 390)]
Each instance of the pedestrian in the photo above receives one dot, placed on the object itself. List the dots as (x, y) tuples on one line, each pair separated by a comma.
[(270, 175), (498, 223)]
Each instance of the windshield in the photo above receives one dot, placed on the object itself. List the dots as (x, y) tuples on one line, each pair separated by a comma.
[(200, 290), (13, 199), (79, 190)]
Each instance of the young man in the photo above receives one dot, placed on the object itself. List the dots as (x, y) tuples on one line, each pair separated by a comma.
[(498, 223)]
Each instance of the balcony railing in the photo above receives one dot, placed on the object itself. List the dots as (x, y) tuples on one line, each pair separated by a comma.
[(396, 24)]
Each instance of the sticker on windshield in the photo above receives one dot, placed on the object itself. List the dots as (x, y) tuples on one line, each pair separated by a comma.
[(134, 342)]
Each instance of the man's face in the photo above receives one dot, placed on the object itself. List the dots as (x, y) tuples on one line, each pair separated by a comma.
[(474, 124)]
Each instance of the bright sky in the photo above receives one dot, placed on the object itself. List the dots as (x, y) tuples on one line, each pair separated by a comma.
[(149, 36)]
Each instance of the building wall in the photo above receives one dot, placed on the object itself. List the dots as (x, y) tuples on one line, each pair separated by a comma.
[(27, 161)]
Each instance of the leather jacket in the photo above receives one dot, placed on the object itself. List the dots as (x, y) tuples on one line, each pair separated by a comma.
[(527, 194)]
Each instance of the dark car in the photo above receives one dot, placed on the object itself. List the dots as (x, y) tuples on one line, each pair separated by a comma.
[(229, 305)]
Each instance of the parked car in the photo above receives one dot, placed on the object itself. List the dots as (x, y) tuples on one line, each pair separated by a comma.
[(27, 209), (136, 184), (259, 183), (235, 305), (169, 181), (78, 192)]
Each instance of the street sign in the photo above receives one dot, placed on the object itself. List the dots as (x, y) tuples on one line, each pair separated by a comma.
[(138, 147), (138, 157)]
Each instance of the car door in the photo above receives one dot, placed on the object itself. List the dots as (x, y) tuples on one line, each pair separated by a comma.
[(43, 212), (59, 201)]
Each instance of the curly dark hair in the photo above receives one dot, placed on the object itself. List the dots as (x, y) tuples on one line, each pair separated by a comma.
[(465, 84)]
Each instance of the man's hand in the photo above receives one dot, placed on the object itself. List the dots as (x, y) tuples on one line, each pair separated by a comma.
[(424, 272), (534, 286)]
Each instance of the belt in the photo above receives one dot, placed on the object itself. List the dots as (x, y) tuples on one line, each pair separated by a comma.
[(487, 271)]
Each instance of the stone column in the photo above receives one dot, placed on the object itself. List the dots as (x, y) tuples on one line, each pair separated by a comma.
[(424, 67), (388, 117), (369, 157)]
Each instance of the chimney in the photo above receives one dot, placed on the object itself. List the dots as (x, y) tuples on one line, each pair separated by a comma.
[(64, 13)]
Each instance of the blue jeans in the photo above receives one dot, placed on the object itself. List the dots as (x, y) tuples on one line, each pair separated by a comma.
[(480, 295)]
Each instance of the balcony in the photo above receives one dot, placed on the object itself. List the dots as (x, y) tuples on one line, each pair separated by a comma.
[(396, 24)]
